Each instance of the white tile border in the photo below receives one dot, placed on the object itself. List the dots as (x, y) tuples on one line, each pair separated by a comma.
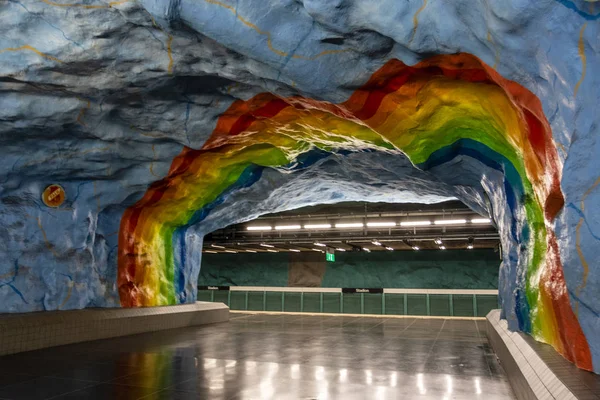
[(528, 374), (382, 316)]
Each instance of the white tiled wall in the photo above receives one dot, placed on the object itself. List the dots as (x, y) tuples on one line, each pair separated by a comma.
[(24, 332)]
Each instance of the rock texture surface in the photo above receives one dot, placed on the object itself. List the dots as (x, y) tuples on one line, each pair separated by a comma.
[(100, 97)]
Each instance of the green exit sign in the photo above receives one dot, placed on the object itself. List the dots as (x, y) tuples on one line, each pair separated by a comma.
[(330, 257)]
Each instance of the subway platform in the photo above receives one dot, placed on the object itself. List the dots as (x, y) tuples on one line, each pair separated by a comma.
[(258, 356)]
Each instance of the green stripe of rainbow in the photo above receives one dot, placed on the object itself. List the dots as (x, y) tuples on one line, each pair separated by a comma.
[(442, 107)]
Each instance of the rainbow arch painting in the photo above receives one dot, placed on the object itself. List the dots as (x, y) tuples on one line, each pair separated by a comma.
[(441, 108)]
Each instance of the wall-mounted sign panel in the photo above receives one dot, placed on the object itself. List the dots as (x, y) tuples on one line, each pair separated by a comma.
[(362, 290), (54, 196)]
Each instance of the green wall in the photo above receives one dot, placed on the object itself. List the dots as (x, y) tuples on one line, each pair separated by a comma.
[(431, 269)]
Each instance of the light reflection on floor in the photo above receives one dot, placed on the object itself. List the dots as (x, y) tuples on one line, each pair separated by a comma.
[(270, 357)]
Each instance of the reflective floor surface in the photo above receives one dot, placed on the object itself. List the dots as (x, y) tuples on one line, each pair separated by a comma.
[(270, 357)]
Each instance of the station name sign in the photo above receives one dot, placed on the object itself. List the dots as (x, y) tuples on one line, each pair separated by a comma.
[(213, 288), (362, 290)]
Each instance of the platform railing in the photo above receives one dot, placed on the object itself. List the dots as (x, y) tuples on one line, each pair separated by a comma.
[(417, 302)]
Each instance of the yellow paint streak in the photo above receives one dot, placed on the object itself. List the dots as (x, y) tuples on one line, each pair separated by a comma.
[(48, 245), (33, 49), (587, 193), (584, 263), (581, 49), (496, 52), (152, 163), (231, 87), (71, 284), (169, 46), (416, 21), (82, 113), (86, 6), (170, 53), (560, 146), (7, 275), (268, 35)]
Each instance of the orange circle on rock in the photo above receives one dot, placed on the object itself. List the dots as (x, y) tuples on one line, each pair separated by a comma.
[(54, 196)]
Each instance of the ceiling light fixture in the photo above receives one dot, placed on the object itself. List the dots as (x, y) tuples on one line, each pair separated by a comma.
[(350, 225), (251, 251), (266, 245), (340, 249), (415, 223), (438, 241), (367, 250), (317, 226), (287, 227), (217, 246), (375, 242), (230, 251), (481, 221), (295, 250), (272, 251), (470, 246), (210, 251), (389, 248), (319, 250), (450, 221), (258, 228), (381, 224), (416, 248), (442, 247), (320, 244)]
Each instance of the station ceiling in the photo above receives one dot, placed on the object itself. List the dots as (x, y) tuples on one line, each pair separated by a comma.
[(360, 227)]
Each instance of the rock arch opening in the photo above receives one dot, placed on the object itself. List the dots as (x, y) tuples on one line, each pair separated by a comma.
[(447, 114)]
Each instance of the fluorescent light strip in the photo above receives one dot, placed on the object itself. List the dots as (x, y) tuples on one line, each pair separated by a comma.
[(217, 246), (481, 221), (287, 227), (442, 247), (210, 251), (295, 250), (251, 251), (367, 250), (389, 248), (376, 243), (266, 245), (470, 247), (450, 221), (317, 226), (319, 250), (320, 244), (258, 228), (350, 225), (340, 249), (230, 251), (272, 251), (416, 248), (381, 224), (415, 223)]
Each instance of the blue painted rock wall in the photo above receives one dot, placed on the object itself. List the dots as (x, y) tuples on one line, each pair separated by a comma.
[(99, 97)]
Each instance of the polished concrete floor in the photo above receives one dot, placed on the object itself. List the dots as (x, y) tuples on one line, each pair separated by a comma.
[(270, 357)]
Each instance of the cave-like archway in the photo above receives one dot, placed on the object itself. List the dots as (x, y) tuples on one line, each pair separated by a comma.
[(440, 110)]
